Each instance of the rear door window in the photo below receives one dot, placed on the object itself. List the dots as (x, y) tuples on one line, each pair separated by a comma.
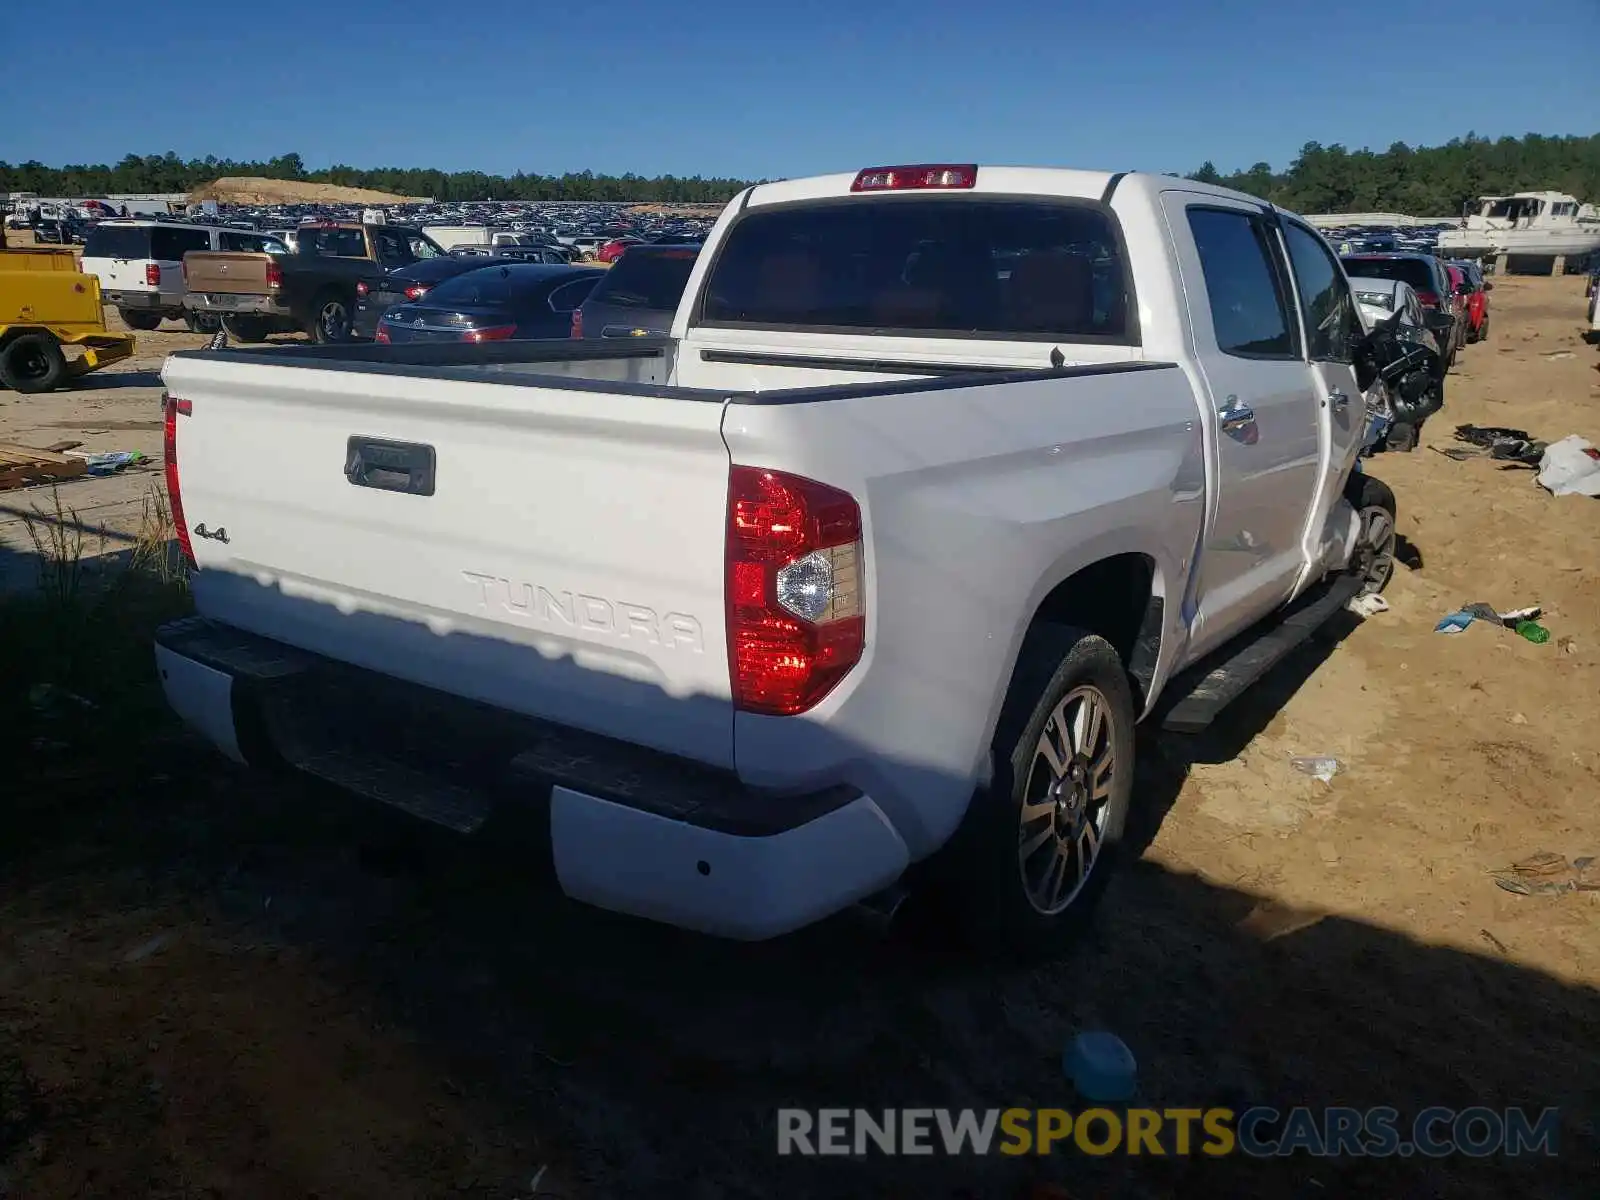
[(969, 266), (643, 279), (118, 241), (1249, 303), (170, 245)]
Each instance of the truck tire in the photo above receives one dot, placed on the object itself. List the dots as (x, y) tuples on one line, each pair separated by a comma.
[(245, 328), (330, 319), (135, 318), (1376, 542), (1039, 843), (32, 362)]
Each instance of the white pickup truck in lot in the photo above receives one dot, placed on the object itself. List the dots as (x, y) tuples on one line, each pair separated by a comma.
[(945, 477)]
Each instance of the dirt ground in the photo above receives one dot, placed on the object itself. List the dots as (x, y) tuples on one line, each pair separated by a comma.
[(217, 986)]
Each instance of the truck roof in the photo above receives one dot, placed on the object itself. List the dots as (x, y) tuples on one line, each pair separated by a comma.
[(1000, 180)]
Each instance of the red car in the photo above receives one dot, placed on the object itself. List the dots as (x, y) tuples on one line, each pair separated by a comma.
[(1473, 290), (611, 251)]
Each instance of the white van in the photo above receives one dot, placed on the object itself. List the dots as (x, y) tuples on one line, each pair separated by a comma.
[(139, 263)]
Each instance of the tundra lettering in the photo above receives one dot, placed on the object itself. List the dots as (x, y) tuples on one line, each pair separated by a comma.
[(593, 614)]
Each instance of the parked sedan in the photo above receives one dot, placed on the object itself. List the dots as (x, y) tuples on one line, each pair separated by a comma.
[(518, 300), (375, 297)]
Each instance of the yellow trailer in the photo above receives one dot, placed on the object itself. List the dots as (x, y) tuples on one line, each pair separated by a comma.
[(46, 303)]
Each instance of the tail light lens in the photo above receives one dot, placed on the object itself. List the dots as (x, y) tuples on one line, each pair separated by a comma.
[(382, 335), (152, 274), (795, 609), (494, 333), (171, 409), (577, 322), (1429, 299), (274, 275), (362, 289), (416, 291)]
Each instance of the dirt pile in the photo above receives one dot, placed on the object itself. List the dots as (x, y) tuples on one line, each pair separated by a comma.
[(244, 189)]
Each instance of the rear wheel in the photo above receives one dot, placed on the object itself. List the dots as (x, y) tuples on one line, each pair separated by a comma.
[(199, 322), (1374, 555), (1038, 844), (135, 318), (330, 320), (246, 328), (32, 362)]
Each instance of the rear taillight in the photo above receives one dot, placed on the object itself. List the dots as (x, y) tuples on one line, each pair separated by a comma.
[(915, 178), (1428, 299), (382, 335), (577, 322), (274, 275), (494, 333), (171, 409), (362, 289), (796, 615), (152, 274), (416, 291)]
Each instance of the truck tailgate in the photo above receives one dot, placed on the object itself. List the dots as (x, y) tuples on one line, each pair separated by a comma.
[(553, 552), (228, 272)]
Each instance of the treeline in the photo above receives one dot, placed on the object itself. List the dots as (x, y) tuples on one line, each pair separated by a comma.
[(169, 173), (1424, 181), (1421, 180)]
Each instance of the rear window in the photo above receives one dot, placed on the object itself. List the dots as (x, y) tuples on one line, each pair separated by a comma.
[(489, 287), (118, 241), (1005, 269), (332, 243), (646, 280), (1407, 270), (170, 245)]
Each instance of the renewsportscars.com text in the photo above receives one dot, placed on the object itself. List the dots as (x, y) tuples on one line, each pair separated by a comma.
[(1214, 1132)]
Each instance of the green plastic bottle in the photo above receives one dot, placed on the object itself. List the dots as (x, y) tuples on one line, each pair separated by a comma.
[(1534, 632)]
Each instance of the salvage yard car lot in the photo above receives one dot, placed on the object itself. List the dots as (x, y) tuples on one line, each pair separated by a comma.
[(387, 1016)]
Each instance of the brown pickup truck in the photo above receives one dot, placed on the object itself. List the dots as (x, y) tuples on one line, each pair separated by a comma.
[(311, 288)]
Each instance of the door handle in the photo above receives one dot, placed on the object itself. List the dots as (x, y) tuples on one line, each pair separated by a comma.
[(1235, 416), (1338, 399)]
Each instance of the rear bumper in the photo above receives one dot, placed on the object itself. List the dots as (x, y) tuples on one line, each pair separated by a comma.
[(224, 304), (147, 301), (631, 829)]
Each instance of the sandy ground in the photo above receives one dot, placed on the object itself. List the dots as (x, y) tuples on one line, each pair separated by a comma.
[(212, 985)]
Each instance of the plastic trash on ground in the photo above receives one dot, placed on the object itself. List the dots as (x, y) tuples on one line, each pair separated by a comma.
[(1318, 766), (1101, 1068), (1570, 467)]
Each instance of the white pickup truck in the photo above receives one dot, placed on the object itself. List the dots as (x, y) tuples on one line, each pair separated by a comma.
[(945, 477)]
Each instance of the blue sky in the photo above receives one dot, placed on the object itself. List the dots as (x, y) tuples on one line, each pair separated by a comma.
[(780, 88)]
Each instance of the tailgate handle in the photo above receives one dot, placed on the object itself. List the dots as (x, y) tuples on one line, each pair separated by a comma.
[(390, 466)]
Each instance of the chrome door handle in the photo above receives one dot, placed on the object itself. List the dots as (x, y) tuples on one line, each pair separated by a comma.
[(1338, 399), (1235, 416)]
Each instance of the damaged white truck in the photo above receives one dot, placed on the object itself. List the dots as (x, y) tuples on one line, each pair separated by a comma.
[(945, 478)]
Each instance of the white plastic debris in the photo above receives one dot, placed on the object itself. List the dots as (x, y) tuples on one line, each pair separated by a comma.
[(1570, 468), (1368, 606), (1320, 766)]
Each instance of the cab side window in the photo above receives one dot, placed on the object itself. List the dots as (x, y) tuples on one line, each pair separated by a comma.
[(1332, 323), (1247, 295)]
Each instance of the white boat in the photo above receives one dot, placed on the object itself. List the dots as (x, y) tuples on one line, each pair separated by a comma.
[(1543, 224)]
